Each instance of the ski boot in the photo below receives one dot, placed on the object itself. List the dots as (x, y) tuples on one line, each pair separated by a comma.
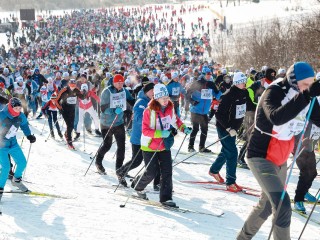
[(310, 198), (169, 203), (97, 132), (217, 177), (17, 182), (299, 206), (100, 169), (76, 138)]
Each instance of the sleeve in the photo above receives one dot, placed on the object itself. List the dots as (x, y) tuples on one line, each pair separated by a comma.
[(129, 97), (45, 107), (251, 95), (251, 106), (60, 97), (222, 115), (138, 110), (315, 114), (105, 102), (146, 130), (275, 111)]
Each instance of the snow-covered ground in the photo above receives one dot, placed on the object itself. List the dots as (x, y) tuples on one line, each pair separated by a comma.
[(93, 212)]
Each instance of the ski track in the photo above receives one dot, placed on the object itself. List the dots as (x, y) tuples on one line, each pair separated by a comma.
[(94, 213)]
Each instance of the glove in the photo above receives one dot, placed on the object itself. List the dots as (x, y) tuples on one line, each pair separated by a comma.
[(165, 133), (31, 138), (187, 130), (313, 90), (232, 132), (118, 110)]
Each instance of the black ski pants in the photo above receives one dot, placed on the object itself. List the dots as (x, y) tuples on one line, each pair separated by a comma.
[(202, 121), (119, 133)]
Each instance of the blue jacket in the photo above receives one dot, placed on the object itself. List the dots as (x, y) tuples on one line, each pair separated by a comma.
[(107, 111), (9, 125), (174, 89), (138, 109), (197, 96)]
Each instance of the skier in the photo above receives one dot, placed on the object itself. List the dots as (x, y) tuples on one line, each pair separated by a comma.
[(50, 110), (66, 103), (156, 141), (279, 116), (200, 96), (11, 119), (113, 102), (141, 104), (229, 117)]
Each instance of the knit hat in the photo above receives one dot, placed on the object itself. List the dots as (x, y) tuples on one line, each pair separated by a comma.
[(118, 78), (281, 71), (174, 75), (160, 91), (239, 78), (318, 76), (65, 74), (148, 87), (53, 96), (299, 71), (84, 86), (2, 85), (15, 102), (270, 74)]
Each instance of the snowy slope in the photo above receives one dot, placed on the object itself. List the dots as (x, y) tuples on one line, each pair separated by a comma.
[(94, 213)]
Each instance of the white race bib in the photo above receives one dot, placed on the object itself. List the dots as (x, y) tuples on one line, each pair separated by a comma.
[(206, 93), (72, 100), (175, 91), (240, 111), (118, 100), (315, 132), (166, 121), (12, 132), (44, 97)]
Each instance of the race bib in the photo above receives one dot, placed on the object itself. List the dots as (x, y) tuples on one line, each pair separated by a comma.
[(240, 111), (166, 121), (44, 98), (215, 107), (12, 132), (315, 132), (72, 100), (118, 100), (175, 91), (206, 93)]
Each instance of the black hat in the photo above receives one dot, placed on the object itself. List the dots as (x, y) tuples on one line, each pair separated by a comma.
[(144, 80), (148, 87), (15, 102)]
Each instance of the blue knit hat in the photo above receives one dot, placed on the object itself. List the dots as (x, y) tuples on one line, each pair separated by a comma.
[(300, 71)]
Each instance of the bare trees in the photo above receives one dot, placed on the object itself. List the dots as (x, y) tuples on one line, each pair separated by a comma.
[(276, 43)]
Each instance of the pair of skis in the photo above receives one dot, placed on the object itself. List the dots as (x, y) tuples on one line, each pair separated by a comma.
[(208, 185)]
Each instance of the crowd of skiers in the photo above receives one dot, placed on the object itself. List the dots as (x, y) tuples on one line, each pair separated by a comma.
[(147, 96)]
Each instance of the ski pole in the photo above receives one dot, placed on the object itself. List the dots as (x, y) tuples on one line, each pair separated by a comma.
[(45, 122), (27, 160), (180, 148), (22, 141), (54, 124), (291, 168), (198, 151), (114, 120), (146, 167), (129, 168), (314, 206)]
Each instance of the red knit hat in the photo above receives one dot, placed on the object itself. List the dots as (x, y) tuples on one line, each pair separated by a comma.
[(118, 78)]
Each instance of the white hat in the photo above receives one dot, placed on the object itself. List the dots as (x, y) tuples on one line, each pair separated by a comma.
[(65, 74), (223, 71), (165, 79), (239, 78), (74, 73), (127, 82), (6, 70), (19, 79), (318, 76), (84, 86), (281, 71), (160, 91), (174, 75)]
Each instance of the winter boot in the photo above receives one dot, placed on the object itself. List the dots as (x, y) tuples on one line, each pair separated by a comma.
[(217, 177), (204, 150), (140, 194), (191, 150), (70, 145), (40, 115), (76, 138), (97, 132), (169, 203), (310, 198), (52, 134), (100, 168), (89, 131), (299, 206), (17, 182), (234, 188), (122, 181), (60, 135)]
